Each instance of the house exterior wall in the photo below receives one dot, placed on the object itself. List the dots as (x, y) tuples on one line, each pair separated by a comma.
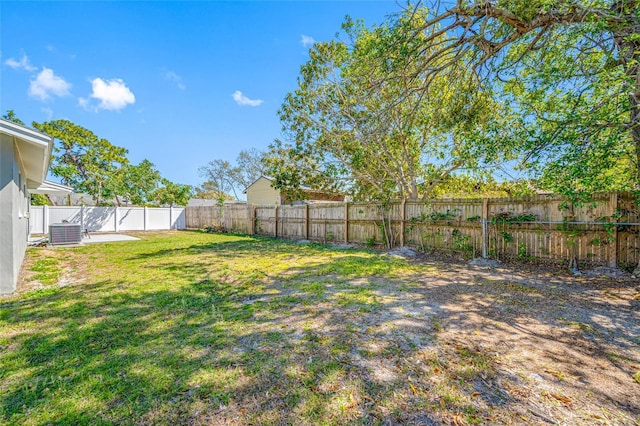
[(14, 222), (262, 194), (321, 196)]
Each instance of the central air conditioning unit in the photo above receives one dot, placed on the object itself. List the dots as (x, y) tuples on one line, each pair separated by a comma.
[(65, 233)]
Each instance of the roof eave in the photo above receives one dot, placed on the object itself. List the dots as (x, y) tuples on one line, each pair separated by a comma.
[(24, 136), (48, 187), (254, 182)]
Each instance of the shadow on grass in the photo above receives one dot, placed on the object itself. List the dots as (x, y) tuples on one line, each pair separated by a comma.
[(327, 338)]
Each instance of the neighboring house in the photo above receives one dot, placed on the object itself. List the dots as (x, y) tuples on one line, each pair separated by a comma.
[(261, 193), (202, 202), (24, 162), (75, 199), (210, 202)]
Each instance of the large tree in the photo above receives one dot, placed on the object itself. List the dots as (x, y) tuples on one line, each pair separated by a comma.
[(570, 70), (171, 194), (359, 121), (83, 160), (223, 178), (252, 165), (209, 190), (136, 183)]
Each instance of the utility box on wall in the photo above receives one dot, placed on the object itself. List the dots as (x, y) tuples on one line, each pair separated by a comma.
[(65, 233)]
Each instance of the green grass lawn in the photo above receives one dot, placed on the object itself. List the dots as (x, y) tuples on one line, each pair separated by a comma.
[(177, 326), (196, 328)]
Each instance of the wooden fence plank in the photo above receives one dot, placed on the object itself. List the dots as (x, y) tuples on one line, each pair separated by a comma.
[(346, 223), (558, 232)]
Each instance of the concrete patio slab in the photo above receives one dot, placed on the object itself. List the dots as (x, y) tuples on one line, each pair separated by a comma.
[(107, 238), (43, 240)]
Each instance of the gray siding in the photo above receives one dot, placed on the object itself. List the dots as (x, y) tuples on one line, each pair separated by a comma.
[(14, 224)]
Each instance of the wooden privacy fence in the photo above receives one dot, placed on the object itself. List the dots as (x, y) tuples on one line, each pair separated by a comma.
[(605, 231)]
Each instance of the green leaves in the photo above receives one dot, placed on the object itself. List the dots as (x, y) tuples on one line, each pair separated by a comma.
[(94, 165), (172, 194), (569, 71), (11, 116), (84, 161), (137, 182), (577, 112), (361, 120), (222, 176)]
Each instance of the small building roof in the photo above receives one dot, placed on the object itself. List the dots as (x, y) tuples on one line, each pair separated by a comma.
[(75, 198), (201, 202), (209, 202), (34, 150), (270, 179), (48, 187)]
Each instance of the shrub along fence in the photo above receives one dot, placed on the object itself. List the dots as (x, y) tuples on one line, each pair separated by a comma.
[(605, 231), (107, 219)]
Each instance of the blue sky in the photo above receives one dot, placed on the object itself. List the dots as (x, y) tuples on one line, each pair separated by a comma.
[(178, 83)]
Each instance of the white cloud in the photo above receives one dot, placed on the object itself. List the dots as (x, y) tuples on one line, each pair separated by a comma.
[(23, 63), (307, 41), (175, 79), (48, 112), (84, 103), (47, 84), (243, 100), (51, 48), (112, 94)]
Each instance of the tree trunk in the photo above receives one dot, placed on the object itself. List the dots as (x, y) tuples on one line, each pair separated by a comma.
[(628, 44)]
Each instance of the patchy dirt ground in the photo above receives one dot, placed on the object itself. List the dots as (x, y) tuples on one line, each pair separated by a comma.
[(473, 345), (437, 342)]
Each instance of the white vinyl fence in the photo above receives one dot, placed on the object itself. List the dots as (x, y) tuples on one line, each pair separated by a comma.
[(108, 219)]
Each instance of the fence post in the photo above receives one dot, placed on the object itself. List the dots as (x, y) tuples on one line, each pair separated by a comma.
[(275, 221), (613, 239), (117, 219), (403, 216), (170, 217), (249, 226), (346, 222), (485, 233), (82, 218), (45, 220), (145, 218), (306, 221), (254, 218)]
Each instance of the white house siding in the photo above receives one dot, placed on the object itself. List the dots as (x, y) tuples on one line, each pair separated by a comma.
[(261, 193), (14, 223)]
